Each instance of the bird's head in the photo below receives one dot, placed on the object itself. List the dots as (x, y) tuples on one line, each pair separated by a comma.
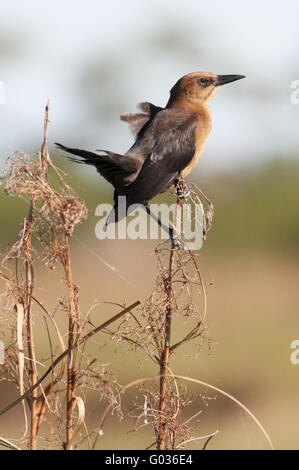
[(199, 87)]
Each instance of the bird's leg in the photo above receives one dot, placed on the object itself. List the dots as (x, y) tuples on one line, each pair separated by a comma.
[(174, 236), (181, 188)]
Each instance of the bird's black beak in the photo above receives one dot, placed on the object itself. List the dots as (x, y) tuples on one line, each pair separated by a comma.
[(223, 79)]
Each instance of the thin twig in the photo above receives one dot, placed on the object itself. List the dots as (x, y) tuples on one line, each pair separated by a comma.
[(188, 379), (64, 354)]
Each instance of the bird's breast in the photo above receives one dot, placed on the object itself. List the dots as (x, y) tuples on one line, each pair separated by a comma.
[(201, 134)]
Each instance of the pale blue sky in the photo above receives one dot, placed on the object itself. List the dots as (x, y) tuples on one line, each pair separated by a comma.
[(61, 39)]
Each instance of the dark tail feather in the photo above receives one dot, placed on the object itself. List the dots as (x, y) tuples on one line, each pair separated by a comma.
[(119, 170), (89, 157)]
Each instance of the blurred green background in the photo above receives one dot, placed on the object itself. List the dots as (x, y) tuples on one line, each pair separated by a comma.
[(96, 61)]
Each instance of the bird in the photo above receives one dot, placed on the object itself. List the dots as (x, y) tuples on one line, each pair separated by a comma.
[(168, 143)]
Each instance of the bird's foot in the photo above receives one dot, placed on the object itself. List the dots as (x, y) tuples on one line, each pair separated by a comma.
[(181, 189)]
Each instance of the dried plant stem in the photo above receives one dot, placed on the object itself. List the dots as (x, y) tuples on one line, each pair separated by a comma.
[(29, 272), (29, 290), (71, 376), (30, 340), (8, 444), (44, 154), (161, 444)]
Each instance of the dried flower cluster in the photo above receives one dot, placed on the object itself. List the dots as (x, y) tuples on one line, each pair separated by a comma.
[(56, 212)]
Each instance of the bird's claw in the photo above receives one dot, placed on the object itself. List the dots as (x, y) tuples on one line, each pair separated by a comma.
[(181, 189)]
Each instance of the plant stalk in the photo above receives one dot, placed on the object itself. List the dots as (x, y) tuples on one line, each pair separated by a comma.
[(161, 441)]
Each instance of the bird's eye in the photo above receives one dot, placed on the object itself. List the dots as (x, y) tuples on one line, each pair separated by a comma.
[(202, 81)]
